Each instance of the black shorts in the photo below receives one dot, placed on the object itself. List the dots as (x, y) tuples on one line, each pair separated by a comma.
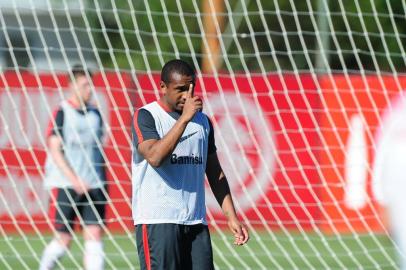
[(174, 246), (70, 208)]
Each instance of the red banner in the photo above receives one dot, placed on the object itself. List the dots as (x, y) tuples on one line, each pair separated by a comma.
[(283, 143)]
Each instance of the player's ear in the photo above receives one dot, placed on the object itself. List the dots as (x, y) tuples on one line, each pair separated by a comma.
[(162, 84)]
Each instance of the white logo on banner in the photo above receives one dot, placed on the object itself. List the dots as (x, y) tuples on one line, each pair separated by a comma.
[(239, 157), (356, 165), (28, 196)]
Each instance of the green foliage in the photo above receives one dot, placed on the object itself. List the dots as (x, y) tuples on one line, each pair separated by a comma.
[(369, 35), (271, 35), (140, 33)]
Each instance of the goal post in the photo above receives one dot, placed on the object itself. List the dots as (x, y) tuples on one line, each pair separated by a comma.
[(305, 99)]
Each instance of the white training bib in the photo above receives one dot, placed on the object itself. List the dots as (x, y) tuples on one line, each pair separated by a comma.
[(173, 192), (81, 133)]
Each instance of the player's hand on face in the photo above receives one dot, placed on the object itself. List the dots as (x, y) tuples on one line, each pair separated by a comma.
[(192, 105), (240, 231)]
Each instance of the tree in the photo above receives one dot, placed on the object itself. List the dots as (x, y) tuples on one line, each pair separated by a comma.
[(269, 35)]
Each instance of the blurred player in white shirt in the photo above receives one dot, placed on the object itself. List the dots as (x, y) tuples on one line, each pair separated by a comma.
[(75, 174), (389, 172)]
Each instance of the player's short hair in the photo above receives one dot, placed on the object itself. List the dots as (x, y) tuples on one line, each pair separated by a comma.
[(176, 66), (78, 71)]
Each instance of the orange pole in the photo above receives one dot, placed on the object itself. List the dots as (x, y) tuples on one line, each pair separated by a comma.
[(211, 51)]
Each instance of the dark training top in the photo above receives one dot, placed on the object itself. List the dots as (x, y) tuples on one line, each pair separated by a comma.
[(57, 129), (81, 132)]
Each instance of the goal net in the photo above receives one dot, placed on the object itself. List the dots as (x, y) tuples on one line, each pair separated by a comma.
[(306, 99)]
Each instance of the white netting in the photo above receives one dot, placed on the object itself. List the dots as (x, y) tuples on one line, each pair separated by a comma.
[(306, 101)]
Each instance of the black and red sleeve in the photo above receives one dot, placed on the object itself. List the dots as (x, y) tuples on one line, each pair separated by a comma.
[(211, 144), (55, 125), (143, 127)]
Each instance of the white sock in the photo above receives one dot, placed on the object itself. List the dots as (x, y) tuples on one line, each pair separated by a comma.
[(94, 255), (53, 251)]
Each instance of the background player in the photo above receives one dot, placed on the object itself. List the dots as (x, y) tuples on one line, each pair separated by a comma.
[(173, 150), (389, 175), (75, 169)]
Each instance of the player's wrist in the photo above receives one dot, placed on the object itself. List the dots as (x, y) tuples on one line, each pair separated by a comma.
[(74, 179), (184, 119), (231, 215)]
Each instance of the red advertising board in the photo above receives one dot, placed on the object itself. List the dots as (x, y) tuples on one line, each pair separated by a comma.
[(282, 142)]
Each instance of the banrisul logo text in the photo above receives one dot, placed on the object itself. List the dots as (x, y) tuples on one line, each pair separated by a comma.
[(192, 159)]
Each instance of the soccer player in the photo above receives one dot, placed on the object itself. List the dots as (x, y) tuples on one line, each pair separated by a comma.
[(173, 150), (75, 171), (389, 175)]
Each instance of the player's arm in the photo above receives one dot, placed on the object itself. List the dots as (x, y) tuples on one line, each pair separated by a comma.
[(55, 146), (221, 190), (101, 162), (155, 151)]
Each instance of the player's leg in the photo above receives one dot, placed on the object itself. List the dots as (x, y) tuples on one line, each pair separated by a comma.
[(55, 250), (398, 220), (201, 249), (62, 213), (93, 257), (93, 214), (159, 246)]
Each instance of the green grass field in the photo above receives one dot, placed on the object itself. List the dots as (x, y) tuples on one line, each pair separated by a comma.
[(264, 251)]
